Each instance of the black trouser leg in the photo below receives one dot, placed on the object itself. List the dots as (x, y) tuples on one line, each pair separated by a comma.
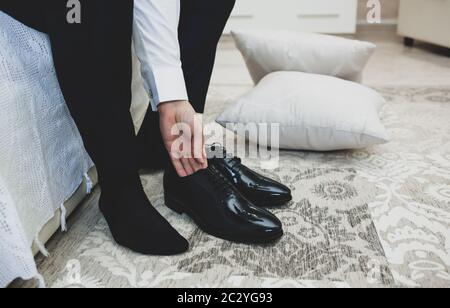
[(93, 61), (93, 64), (201, 26)]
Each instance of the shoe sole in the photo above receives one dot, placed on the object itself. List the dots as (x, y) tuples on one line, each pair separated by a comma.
[(181, 209)]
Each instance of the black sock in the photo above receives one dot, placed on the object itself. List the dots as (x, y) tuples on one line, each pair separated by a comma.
[(136, 224)]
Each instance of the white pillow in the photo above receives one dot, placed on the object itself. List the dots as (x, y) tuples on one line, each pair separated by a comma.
[(268, 52), (315, 112)]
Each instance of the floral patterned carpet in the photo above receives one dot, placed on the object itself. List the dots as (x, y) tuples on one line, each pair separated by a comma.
[(378, 217)]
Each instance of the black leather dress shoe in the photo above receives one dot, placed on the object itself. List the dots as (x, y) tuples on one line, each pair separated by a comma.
[(260, 190), (218, 208)]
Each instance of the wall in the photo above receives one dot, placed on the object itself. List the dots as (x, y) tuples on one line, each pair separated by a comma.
[(389, 10)]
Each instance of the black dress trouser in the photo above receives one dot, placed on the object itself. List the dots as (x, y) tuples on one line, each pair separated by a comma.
[(93, 65), (201, 25)]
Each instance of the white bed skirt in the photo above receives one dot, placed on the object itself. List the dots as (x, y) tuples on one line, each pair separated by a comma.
[(42, 158)]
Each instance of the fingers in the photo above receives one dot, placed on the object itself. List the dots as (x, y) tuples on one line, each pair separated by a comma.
[(182, 165), (191, 155), (189, 162), (195, 165), (187, 166), (200, 162), (179, 168), (198, 144), (182, 132)]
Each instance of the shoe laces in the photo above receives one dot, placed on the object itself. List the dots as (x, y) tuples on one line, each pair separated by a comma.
[(221, 184), (234, 161)]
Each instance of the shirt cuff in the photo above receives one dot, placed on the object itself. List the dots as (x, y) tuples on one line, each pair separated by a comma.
[(166, 84)]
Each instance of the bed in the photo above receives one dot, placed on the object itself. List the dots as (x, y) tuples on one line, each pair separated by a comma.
[(45, 172)]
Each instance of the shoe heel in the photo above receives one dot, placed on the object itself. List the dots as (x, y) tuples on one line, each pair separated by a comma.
[(173, 205)]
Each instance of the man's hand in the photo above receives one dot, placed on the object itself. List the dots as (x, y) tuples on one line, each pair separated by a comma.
[(182, 133)]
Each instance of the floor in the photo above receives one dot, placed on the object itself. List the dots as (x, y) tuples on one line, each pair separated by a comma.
[(403, 197)]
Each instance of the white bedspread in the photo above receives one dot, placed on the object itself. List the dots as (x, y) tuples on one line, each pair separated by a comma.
[(42, 159)]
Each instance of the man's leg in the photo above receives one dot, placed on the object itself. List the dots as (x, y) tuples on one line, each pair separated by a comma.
[(93, 64), (207, 197), (201, 25)]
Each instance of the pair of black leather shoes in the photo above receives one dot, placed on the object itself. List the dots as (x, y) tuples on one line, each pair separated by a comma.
[(260, 190), (226, 200)]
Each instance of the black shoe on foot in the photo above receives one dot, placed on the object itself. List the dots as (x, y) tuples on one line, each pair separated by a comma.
[(218, 208), (136, 225), (260, 190)]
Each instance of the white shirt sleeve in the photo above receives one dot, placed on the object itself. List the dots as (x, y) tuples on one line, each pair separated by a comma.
[(157, 47)]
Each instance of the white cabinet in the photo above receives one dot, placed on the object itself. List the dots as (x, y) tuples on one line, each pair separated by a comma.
[(325, 16), (425, 20)]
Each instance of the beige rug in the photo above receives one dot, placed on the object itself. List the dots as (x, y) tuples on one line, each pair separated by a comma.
[(374, 217), (411, 174), (330, 238)]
